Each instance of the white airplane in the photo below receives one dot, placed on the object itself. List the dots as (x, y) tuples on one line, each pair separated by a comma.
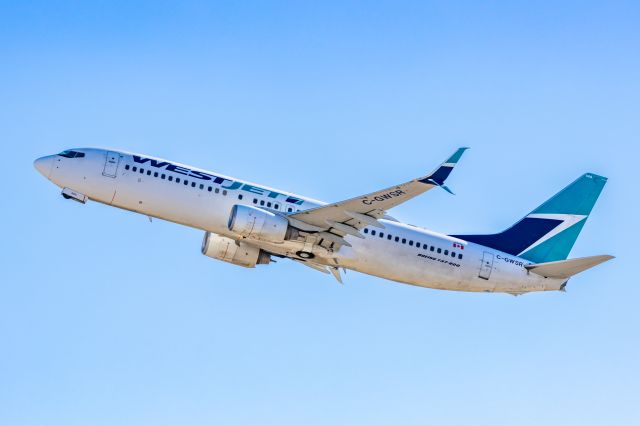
[(248, 224)]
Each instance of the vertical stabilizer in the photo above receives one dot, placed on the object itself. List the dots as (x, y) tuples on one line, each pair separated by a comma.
[(548, 233)]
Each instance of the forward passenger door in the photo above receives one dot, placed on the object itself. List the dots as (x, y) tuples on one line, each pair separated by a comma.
[(111, 164)]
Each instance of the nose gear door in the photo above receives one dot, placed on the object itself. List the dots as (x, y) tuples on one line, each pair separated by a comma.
[(111, 164)]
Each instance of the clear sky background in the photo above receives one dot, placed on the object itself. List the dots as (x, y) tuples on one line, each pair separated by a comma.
[(107, 319)]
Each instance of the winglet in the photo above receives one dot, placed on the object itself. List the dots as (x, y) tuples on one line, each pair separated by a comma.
[(438, 177)]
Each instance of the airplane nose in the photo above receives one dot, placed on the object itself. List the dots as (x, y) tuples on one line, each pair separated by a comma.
[(44, 165)]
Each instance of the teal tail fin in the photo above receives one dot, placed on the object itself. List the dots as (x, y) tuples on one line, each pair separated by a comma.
[(548, 233)]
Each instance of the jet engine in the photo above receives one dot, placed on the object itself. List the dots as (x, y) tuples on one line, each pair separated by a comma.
[(252, 222), (229, 250)]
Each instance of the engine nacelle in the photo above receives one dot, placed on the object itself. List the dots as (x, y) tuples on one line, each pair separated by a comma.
[(228, 250), (252, 222)]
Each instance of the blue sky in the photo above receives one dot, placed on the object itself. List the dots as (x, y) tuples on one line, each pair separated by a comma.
[(107, 319)]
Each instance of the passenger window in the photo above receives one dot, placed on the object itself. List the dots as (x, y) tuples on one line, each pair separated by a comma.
[(453, 254), (155, 174), (141, 170), (276, 206), (389, 236), (418, 245), (439, 250), (255, 201), (397, 239), (366, 231), (217, 190), (262, 202), (177, 180), (410, 242), (446, 252), (404, 241), (186, 182), (201, 186), (193, 184), (239, 196), (163, 176), (373, 233), (269, 204), (209, 189), (459, 255), (224, 192), (289, 209), (170, 178), (126, 167), (135, 169), (148, 172), (432, 248), (382, 235)]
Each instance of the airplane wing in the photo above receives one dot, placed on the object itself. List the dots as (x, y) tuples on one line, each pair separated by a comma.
[(334, 221)]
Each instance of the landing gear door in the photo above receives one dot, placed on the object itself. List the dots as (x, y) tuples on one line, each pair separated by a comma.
[(487, 265), (111, 164)]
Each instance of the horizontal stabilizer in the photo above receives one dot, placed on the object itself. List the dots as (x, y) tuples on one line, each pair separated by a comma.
[(566, 268)]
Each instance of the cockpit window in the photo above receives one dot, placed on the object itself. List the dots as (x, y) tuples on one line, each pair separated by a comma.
[(71, 154)]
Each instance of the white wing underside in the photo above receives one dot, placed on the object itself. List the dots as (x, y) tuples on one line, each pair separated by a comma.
[(332, 222)]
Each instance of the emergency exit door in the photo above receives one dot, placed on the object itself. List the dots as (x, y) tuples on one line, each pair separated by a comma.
[(111, 164), (487, 265)]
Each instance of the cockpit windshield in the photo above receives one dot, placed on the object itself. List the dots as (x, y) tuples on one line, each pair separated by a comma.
[(71, 154)]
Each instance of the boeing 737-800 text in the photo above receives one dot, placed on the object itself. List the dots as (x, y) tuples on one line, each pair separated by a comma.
[(248, 224)]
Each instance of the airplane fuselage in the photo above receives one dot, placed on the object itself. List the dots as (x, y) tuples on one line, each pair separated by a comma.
[(204, 200)]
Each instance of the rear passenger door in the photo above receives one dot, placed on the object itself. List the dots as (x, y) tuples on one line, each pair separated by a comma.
[(487, 265)]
